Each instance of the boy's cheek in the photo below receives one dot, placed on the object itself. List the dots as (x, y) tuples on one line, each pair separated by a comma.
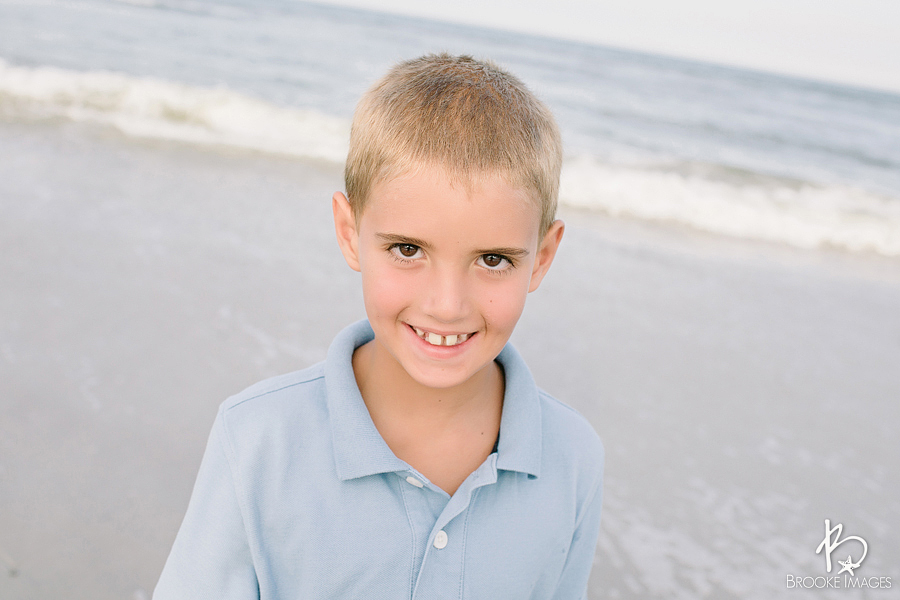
[(386, 289), (505, 310)]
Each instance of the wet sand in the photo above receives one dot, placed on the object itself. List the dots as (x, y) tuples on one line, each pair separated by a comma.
[(744, 392)]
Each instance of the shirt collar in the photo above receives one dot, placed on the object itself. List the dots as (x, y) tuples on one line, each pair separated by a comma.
[(360, 450), (521, 432)]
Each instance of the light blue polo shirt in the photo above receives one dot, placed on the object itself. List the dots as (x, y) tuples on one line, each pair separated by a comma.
[(299, 497)]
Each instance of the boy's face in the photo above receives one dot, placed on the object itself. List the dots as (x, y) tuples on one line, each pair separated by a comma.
[(445, 269)]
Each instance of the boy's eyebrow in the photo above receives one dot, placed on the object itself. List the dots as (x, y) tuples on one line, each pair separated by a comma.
[(394, 238), (511, 252)]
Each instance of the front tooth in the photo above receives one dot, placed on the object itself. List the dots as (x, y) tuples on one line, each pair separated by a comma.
[(451, 340), (434, 339)]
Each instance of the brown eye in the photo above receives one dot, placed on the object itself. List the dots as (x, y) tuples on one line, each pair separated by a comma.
[(492, 260), (495, 262), (406, 251)]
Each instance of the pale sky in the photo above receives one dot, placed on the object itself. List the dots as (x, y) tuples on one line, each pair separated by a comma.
[(849, 41)]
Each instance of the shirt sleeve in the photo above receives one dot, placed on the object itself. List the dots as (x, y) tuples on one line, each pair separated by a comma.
[(574, 579), (211, 557)]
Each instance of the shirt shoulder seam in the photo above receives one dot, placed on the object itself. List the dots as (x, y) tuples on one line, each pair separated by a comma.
[(237, 402)]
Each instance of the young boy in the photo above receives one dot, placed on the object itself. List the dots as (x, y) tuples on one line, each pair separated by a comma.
[(419, 460)]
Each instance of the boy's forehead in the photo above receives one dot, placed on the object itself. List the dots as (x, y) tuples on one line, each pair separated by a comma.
[(424, 182), (433, 196)]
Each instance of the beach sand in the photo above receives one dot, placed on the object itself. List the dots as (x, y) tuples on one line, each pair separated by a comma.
[(744, 392)]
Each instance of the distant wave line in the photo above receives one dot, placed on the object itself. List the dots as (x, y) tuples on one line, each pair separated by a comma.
[(713, 198), (154, 108)]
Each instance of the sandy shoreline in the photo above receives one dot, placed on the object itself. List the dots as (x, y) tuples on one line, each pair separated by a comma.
[(744, 392)]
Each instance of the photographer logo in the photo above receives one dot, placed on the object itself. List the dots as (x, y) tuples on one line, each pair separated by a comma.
[(845, 578), (829, 546)]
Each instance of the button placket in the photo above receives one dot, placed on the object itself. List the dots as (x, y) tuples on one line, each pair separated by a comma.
[(443, 563)]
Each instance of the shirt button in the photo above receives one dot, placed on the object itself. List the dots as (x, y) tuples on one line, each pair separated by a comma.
[(413, 481), (440, 540)]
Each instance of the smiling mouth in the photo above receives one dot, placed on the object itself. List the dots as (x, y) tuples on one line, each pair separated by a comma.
[(436, 339)]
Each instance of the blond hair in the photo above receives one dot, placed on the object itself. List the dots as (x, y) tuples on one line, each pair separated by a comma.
[(468, 116)]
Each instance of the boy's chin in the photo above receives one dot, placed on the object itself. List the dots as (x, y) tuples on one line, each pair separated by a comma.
[(442, 380), (446, 376)]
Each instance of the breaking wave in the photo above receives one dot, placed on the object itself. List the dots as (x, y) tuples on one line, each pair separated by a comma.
[(752, 207), (714, 199), (154, 108)]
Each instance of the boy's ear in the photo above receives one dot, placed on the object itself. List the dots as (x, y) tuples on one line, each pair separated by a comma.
[(345, 229), (546, 252)]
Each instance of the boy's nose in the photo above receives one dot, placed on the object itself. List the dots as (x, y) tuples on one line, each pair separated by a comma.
[(446, 296)]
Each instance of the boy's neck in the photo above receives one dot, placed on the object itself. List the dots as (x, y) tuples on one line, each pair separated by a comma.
[(445, 433)]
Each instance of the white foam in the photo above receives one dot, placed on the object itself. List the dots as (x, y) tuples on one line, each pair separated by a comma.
[(802, 215), (153, 108)]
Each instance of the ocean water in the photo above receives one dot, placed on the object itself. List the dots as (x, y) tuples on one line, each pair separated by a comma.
[(729, 151)]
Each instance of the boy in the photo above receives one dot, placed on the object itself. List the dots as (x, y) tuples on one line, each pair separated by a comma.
[(419, 460)]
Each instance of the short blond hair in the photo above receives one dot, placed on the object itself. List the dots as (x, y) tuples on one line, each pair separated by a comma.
[(468, 116)]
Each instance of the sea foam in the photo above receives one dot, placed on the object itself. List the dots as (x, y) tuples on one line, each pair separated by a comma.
[(761, 208), (755, 207), (154, 108)]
